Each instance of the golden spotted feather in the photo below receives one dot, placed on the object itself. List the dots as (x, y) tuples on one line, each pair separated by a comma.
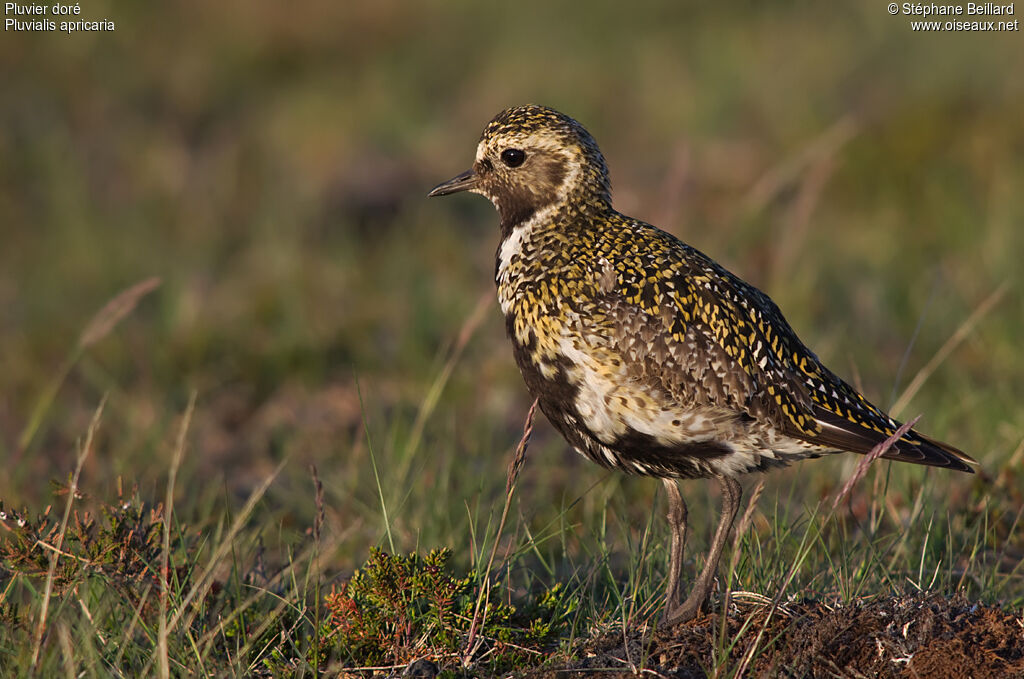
[(747, 355)]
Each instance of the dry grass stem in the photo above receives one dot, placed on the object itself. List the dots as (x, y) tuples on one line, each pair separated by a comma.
[(873, 454), (469, 326), (797, 223), (741, 529), (483, 594), (755, 646), (825, 145), (318, 498), (83, 453), (203, 581), (67, 650), (98, 327), (946, 349), (165, 554), (114, 311)]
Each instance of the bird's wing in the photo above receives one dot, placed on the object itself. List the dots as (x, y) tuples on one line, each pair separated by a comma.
[(705, 336), (702, 335)]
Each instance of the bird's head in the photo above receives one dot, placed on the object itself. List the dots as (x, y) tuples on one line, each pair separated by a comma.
[(530, 157)]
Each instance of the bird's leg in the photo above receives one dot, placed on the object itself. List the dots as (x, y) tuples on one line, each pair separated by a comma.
[(677, 522), (675, 614)]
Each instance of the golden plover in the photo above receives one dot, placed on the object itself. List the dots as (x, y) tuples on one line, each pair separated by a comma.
[(644, 353)]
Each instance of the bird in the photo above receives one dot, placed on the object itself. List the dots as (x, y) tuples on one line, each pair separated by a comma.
[(644, 353)]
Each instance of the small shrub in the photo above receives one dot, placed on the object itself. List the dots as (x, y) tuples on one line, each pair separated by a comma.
[(398, 608)]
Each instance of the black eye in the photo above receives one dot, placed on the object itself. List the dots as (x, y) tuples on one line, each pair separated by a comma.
[(513, 157)]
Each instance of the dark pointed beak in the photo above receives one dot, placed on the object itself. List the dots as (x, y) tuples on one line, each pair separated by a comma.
[(463, 182)]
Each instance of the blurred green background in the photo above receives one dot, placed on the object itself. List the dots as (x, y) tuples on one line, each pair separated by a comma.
[(270, 161)]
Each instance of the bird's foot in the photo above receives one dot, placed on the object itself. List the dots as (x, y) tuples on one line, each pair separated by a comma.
[(677, 613)]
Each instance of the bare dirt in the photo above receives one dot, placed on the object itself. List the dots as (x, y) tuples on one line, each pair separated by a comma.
[(910, 636)]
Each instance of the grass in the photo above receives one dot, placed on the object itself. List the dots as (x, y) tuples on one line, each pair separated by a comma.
[(144, 593), (314, 310)]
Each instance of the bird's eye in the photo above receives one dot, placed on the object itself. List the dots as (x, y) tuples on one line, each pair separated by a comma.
[(513, 157)]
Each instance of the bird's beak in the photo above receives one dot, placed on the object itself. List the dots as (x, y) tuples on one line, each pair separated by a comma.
[(464, 182)]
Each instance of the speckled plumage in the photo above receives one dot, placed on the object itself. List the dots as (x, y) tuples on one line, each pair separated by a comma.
[(644, 353)]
